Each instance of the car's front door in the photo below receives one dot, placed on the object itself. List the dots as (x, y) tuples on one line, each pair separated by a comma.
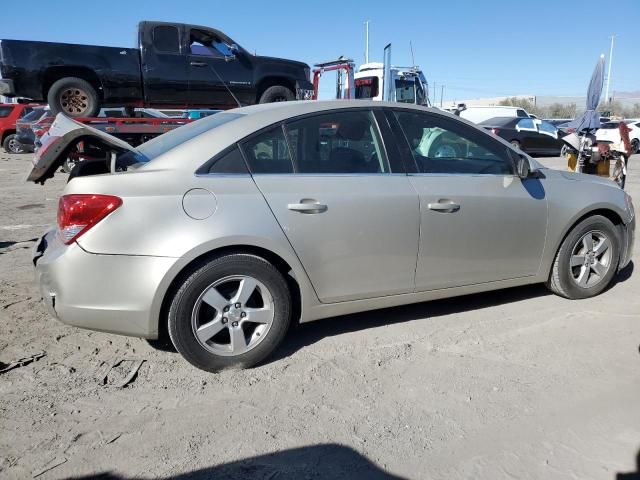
[(349, 212), (479, 222), (214, 69)]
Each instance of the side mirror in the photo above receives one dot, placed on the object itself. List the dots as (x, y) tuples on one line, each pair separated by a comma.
[(523, 168)]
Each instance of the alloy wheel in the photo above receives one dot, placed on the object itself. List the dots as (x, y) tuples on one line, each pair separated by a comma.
[(14, 146), (590, 259), (233, 315)]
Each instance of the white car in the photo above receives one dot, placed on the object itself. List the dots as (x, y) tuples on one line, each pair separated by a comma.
[(609, 132), (477, 114)]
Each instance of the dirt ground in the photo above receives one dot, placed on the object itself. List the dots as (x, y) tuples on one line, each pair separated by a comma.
[(511, 384)]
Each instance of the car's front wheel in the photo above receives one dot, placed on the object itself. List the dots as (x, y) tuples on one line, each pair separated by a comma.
[(587, 259), (232, 312), (11, 144)]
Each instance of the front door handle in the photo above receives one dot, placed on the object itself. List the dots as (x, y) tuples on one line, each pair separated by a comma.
[(444, 206), (198, 64), (308, 205)]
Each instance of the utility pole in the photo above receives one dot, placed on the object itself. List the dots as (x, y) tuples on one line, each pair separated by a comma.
[(606, 99), (366, 42), (441, 94)]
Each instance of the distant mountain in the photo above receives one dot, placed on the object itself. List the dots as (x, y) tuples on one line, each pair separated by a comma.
[(618, 95)]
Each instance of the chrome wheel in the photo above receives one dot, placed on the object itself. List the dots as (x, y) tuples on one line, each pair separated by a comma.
[(233, 315), (590, 259), (74, 101), (14, 146)]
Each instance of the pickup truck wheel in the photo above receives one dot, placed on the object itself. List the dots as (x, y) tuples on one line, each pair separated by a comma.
[(74, 97), (11, 144), (277, 93)]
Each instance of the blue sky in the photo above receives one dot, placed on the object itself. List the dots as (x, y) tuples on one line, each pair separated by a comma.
[(475, 48)]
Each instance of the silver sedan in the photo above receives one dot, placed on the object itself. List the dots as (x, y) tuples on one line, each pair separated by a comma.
[(220, 234)]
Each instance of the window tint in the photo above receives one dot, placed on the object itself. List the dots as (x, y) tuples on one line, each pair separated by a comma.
[(206, 44), (166, 39), (546, 127), (337, 142), (367, 87), (442, 145), (521, 113), (231, 162), (526, 123), (268, 152), (25, 112), (5, 111), (34, 115)]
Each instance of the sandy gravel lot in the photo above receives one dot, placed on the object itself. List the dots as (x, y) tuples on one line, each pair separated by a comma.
[(510, 384)]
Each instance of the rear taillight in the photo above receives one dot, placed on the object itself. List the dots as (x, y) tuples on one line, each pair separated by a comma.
[(77, 213), (495, 131)]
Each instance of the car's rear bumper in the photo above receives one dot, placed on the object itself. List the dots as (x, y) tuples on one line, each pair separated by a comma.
[(628, 241), (109, 293), (7, 88)]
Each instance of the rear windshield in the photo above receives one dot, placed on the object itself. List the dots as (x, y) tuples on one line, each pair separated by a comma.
[(165, 142), (5, 111)]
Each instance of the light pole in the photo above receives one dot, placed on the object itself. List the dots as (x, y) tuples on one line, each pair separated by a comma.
[(606, 95)]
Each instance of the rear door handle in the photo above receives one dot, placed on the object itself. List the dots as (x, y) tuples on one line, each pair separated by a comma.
[(308, 205), (444, 206), (198, 64)]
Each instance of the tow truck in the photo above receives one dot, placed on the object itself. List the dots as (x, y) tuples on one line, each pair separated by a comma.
[(405, 85)]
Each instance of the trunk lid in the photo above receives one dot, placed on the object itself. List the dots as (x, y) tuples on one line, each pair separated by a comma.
[(62, 137)]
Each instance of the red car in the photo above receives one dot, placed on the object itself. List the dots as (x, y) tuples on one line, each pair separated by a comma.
[(9, 114)]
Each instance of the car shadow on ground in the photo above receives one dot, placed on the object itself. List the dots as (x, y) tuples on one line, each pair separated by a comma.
[(309, 333), (316, 461)]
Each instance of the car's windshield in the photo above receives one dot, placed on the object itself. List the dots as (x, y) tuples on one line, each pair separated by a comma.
[(33, 116), (165, 142), (405, 91)]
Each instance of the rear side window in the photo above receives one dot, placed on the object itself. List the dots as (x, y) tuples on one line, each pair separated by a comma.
[(337, 142), (5, 111), (442, 145), (166, 39), (268, 152), (229, 163), (521, 113)]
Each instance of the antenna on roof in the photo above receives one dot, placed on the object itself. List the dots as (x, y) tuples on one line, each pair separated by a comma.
[(413, 59)]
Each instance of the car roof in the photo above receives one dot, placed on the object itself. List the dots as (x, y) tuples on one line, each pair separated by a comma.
[(500, 121)]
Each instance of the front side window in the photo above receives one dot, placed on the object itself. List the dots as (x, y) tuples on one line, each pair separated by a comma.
[(5, 111), (405, 91), (442, 145), (268, 152), (166, 39), (337, 143), (367, 87), (206, 44)]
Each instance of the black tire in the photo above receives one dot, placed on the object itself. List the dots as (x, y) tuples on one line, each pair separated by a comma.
[(11, 144), (74, 97), (277, 93), (183, 306), (561, 279)]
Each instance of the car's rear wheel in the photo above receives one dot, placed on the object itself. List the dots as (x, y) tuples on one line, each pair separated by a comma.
[(11, 144), (74, 97), (232, 312), (587, 259)]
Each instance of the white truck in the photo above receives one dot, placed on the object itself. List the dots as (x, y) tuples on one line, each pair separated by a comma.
[(407, 84)]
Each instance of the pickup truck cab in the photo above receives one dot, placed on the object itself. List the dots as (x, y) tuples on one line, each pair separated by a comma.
[(175, 66)]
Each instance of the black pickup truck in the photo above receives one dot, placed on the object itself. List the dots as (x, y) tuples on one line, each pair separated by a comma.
[(175, 65)]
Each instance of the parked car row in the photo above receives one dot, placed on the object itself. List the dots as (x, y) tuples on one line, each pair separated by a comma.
[(10, 114), (536, 137)]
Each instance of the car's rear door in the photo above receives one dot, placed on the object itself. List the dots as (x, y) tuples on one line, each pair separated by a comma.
[(344, 202), (479, 222)]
